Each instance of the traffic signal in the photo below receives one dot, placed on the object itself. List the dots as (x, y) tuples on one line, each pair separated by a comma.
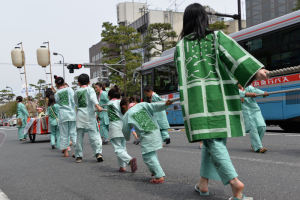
[(71, 67)]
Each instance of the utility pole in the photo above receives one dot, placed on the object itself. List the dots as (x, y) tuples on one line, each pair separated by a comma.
[(236, 16), (239, 14)]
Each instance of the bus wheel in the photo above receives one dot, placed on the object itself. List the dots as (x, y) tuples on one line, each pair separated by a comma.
[(32, 137), (290, 127)]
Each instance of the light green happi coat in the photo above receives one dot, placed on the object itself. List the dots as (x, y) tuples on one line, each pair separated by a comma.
[(161, 117), (141, 118), (52, 112), (103, 100), (251, 110), (209, 96), (22, 113), (65, 99), (115, 119), (85, 100)]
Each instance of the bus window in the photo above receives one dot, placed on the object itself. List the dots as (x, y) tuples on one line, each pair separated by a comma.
[(276, 49), (165, 79), (147, 79), (254, 44)]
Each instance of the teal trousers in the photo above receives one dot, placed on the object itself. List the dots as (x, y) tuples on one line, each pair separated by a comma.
[(94, 139), (164, 134), (256, 136), (152, 162), (21, 133), (215, 161), (103, 130), (119, 144), (55, 137), (67, 131)]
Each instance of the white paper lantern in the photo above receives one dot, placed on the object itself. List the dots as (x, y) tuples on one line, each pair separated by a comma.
[(17, 57), (43, 56)]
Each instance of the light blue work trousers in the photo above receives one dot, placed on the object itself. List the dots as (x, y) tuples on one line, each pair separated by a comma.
[(21, 133), (104, 130), (119, 144), (94, 139), (215, 162), (67, 131), (256, 136), (55, 137), (164, 134), (152, 162)]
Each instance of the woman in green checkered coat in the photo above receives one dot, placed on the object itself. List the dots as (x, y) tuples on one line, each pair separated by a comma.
[(208, 64)]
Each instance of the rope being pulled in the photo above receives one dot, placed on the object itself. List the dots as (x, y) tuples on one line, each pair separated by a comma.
[(284, 71), (281, 91)]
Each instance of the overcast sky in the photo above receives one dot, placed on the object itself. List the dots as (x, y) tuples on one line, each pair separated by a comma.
[(71, 27)]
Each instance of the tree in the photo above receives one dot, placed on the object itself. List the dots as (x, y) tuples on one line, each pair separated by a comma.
[(159, 38), (122, 45), (8, 109), (297, 5), (41, 84), (6, 96), (218, 25)]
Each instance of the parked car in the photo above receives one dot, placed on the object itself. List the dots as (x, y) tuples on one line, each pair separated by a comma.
[(1, 122)]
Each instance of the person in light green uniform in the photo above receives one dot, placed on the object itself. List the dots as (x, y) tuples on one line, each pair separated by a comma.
[(52, 112), (86, 103), (64, 97), (115, 131), (103, 116), (161, 117), (254, 121), (22, 115), (141, 118), (208, 64)]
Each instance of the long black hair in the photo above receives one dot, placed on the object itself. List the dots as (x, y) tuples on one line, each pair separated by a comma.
[(51, 101), (195, 20)]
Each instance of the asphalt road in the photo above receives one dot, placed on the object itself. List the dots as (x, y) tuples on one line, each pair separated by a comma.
[(32, 171)]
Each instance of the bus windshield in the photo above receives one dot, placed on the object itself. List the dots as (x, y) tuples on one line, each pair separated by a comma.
[(163, 78)]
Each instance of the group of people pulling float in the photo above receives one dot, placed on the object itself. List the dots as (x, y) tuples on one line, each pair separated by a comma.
[(213, 71)]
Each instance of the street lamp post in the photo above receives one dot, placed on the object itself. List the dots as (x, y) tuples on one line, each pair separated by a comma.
[(55, 54)]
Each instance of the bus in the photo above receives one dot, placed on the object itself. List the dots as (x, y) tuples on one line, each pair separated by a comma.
[(275, 43)]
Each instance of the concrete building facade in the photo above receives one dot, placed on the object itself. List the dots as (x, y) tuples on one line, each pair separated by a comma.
[(128, 12), (97, 73), (233, 26), (258, 11)]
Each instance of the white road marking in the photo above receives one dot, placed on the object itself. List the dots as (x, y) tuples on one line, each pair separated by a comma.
[(293, 135), (270, 134), (283, 134), (3, 196), (264, 161)]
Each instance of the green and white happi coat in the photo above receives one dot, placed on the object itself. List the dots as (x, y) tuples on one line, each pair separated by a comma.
[(115, 119), (207, 71)]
